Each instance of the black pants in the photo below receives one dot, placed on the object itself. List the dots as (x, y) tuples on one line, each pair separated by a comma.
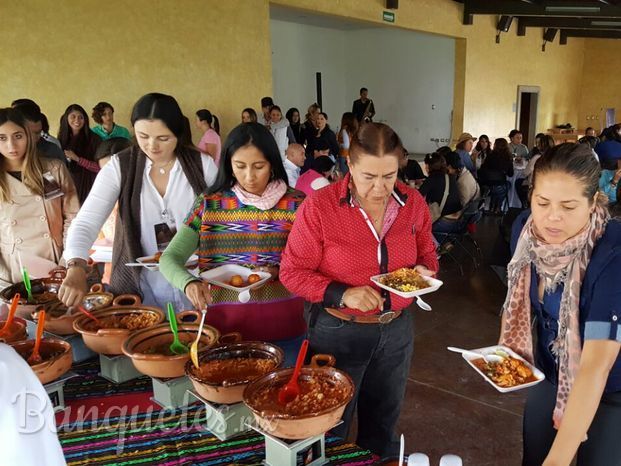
[(603, 446), (377, 357)]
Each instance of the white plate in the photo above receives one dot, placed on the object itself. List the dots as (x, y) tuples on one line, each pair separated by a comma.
[(190, 263), (491, 350), (434, 285), (220, 276)]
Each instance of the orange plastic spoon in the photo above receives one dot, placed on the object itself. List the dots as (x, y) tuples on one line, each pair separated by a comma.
[(290, 392), (35, 357), (9, 319)]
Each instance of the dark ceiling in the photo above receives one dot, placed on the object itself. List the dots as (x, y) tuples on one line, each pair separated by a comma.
[(585, 18)]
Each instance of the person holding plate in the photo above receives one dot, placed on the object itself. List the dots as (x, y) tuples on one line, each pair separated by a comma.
[(565, 270), (243, 220), (155, 182), (364, 225)]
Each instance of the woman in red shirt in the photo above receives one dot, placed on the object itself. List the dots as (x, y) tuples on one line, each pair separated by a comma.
[(364, 225)]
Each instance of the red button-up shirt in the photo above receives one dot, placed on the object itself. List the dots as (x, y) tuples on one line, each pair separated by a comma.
[(332, 246)]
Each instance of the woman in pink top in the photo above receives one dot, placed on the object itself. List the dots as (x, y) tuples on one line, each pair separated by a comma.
[(210, 143), (319, 176)]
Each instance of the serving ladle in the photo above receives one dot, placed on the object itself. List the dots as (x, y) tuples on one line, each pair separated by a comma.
[(289, 392)]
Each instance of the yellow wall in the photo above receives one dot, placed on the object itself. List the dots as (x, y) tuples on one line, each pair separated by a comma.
[(216, 54), (493, 71), (213, 54), (601, 88)]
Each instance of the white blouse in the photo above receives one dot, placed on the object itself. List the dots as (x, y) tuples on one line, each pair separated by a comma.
[(172, 209)]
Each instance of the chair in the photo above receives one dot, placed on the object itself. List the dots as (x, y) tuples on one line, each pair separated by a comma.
[(470, 215), (494, 183)]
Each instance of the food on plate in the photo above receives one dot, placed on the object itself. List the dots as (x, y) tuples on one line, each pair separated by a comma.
[(234, 370), (237, 281), (253, 278), (405, 280), (46, 353), (43, 297), (153, 260), (317, 393), (133, 321), (507, 373)]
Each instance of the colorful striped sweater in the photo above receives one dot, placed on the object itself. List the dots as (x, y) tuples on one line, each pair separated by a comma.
[(230, 232)]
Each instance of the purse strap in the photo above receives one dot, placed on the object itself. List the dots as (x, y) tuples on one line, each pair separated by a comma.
[(446, 192)]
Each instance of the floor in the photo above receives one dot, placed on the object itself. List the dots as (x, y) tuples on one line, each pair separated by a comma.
[(448, 407)]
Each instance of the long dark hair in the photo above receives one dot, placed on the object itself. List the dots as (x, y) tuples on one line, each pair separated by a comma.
[(81, 142), (205, 115), (248, 134), (156, 106), (478, 147), (289, 116), (572, 159)]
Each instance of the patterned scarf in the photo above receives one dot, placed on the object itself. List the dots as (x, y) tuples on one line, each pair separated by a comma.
[(274, 191), (555, 263)]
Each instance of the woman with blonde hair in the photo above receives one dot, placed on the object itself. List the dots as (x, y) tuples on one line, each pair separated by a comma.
[(38, 200)]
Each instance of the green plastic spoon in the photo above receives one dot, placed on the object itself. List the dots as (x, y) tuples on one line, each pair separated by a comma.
[(176, 347)]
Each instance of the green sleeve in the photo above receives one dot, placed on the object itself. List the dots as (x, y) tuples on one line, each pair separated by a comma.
[(172, 262)]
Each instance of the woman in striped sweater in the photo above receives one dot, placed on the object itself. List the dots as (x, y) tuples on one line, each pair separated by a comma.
[(245, 220)]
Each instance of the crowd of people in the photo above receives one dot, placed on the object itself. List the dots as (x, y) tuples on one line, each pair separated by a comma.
[(322, 212)]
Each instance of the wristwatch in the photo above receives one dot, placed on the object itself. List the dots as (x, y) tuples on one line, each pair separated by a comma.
[(342, 301), (81, 263)]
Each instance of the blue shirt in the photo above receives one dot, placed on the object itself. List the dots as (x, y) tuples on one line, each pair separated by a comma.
[(600, 302), (608, 150), (605, 186), (467, 161)]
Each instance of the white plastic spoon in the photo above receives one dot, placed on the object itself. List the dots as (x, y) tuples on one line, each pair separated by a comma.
[(244, 296), (418, 459), (488, 357), (422, 304)]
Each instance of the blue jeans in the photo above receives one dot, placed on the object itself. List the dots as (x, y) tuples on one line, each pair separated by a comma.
[(377, 357)]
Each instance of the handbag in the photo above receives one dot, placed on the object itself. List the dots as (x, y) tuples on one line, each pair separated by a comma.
[(435, 208)]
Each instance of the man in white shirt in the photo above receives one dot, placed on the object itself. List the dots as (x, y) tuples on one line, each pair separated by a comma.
[(294, 162)]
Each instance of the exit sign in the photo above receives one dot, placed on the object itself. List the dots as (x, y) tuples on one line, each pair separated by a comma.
[(388, 16)]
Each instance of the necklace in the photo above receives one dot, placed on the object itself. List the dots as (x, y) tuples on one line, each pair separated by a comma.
[(162, 169), (376, 220)]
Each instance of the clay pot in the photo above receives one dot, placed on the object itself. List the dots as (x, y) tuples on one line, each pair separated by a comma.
[(110, 340), (16, 333), (52, 367), (47, 286), (286, 426), (144, 346), (229, 392), (59, 319), (97, 298)]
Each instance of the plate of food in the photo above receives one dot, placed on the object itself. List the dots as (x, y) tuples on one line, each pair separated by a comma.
[(152, 262), (235, 277), (512, 373), (407, 283)]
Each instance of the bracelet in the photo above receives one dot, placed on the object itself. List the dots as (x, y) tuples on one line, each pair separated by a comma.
[(80, 263)]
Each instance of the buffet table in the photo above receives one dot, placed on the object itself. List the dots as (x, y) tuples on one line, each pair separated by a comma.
[(107, 423)]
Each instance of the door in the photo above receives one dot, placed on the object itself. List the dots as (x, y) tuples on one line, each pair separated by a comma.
[(526, 113)]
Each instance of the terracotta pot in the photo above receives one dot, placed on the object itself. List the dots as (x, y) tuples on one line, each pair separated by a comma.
[(51, 368), (110, 340), (229, 392), (98, 299), (16, 333), (141, 347), (49, 286), (286, 426)]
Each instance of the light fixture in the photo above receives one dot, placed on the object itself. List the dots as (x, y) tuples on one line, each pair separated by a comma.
[(572, 9)]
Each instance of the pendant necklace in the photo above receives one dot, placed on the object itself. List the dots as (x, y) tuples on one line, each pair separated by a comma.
[(162, 169)]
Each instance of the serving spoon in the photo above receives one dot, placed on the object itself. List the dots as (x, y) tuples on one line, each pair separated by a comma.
[(9, 319), (176, 347), (289, 392), (35, 357), (487, 357)]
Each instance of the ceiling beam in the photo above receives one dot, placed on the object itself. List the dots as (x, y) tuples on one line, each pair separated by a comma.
[(569, 23), (566, 8), (591, 33)]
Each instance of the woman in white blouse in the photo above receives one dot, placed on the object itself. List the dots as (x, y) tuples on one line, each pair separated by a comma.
[(155, 184)]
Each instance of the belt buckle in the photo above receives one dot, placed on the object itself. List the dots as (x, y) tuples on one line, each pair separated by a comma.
[(386, 317)]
